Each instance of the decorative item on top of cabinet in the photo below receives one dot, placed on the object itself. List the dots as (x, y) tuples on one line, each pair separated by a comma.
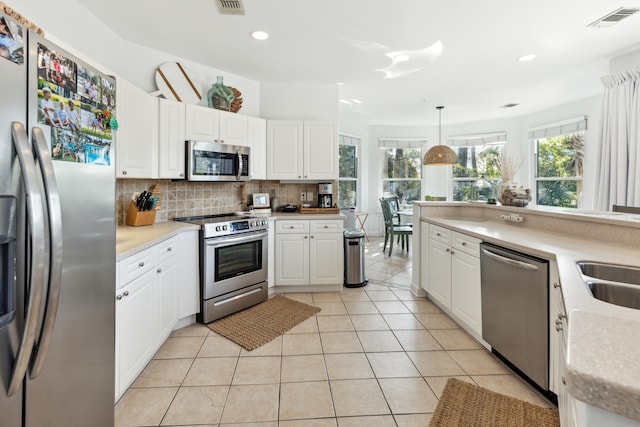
[(220, 96), (174, 83)]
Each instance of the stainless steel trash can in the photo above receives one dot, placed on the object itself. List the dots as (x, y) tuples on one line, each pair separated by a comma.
[(354, 259)]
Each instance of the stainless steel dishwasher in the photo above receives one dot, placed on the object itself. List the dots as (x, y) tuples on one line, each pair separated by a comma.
[(515, 309)]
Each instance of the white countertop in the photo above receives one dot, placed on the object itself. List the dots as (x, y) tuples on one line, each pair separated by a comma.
[(130, 240), (603, 339)]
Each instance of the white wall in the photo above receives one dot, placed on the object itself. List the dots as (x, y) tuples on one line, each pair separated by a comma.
[(625, 62), (280, 101)]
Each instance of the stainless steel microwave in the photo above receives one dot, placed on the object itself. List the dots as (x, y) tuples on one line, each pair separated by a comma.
[(213, 161)]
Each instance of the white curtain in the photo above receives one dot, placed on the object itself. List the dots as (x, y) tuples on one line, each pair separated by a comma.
[(617, 178)]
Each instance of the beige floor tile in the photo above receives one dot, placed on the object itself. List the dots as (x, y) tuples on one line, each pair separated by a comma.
[(369, 322), (308, 326), (478, 362), (163, 373), (408, 395), (385, 267), (326, 297), (417, 340), (341, 323), (272, 348), (406, 295), (180, 348), (305, 400), (511, 385), (217, 346), (377, 341), (374, 285), (293, 344), (437, 384), (391, 307), (358, 397), (196, 405), (317, 422), (402, 279), (435, 363), (354, 294), (303, 368), (143, 406), (211, 371), (266, 424), (348, 366), (422, 306), (377, 421), (257, 370), (193, 330), (340, 342), (455, 339), (330, 308), (402, 321), (382, 296), (251, 403), (413, 420), (436, 321), (360, 307), (376, 276), (392, 364), (304, 297)]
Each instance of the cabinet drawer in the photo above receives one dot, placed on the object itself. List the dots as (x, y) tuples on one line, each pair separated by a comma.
[(166, 249), (467, 244), (292, 226), (135, 266), (328, 226), (440, 234)]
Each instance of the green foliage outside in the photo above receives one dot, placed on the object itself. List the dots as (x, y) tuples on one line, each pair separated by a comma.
[(348, 168), (479, 164), (559, 157), (401, 172)]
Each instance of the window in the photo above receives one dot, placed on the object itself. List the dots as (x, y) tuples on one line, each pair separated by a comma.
[(348, 168), (476, 175), (401, 169), (558, 156)]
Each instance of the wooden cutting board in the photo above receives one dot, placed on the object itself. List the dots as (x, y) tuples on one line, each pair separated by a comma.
[(174, 83)]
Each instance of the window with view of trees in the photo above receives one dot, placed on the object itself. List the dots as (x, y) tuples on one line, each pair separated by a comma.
[(476, 175), (402, 172), (348, 169), (559, 170)]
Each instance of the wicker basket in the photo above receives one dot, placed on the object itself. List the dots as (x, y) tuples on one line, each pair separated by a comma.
[(319, 210)]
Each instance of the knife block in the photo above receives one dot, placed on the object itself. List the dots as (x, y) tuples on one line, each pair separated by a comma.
[(137, 218)]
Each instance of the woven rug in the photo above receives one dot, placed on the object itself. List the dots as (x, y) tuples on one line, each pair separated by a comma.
[(257, 325), (467, 405)]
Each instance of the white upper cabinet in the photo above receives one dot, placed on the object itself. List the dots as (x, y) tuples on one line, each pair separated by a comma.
[(137, 134), (209, 124), (299, 149), (171, 139), (257, 139)]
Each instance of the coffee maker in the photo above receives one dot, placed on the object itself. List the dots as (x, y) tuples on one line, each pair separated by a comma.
[(325, 195)]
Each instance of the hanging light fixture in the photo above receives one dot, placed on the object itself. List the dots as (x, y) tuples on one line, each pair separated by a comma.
[(440, 154)]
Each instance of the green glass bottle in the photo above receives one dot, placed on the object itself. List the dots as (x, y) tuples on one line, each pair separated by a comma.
[(219, 96)]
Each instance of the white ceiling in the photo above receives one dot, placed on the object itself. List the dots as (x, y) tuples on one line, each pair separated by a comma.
[(331, 41)]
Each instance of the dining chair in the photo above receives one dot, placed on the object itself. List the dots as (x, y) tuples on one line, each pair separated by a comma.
[(392, 229), (394, 204)]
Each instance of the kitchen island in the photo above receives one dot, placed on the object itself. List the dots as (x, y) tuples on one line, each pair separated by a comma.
[(602, 339)]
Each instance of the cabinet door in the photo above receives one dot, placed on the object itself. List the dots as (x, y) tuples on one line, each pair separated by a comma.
[(233, 128), (171, 139), (465, 290), (439, 272), (292, 259), (135, 326), (201, 123), (189, 285), (257, 138), (136, 139), (167, 309), (284, 149), (326, 259), (320, 150)]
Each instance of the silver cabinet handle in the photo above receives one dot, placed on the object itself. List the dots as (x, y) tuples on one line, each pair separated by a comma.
[(464, 243), (118, 297), (326, 226), (452, 252), (305, 237), (509, 261), (447, 250), (438, 234), (52, 198), (124, 172), (159, 270), (558, 328), (141, 264), (169, 249), (312, 237), (125, 293), (556, 284), (36, 236)]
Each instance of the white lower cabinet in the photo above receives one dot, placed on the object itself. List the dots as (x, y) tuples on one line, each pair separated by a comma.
[(451, 274), (309, 252)]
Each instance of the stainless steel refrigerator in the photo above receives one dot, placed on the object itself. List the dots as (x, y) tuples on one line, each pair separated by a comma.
[(57, 236)]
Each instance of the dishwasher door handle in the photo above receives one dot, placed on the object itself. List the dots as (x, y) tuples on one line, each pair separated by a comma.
[(509, 261)]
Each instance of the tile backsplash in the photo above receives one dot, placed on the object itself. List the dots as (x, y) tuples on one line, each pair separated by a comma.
[(184, 198)]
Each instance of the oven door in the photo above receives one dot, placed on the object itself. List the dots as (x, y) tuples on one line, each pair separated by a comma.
[(234, 262)]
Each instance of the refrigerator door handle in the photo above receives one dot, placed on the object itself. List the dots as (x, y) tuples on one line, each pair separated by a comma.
[(52, 198), (35, 221)]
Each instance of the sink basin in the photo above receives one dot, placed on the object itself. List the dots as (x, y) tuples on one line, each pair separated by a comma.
[(612, 283)]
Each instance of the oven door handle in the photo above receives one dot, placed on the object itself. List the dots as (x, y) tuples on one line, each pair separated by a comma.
[(225, 241)]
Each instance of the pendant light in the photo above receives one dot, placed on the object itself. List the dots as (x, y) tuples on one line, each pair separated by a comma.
[(440, 154)]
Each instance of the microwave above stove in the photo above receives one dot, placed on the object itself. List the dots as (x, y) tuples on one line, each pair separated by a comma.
[(213, 161)]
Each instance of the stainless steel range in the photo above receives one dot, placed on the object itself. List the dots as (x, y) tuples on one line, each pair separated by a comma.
[(233, 263)]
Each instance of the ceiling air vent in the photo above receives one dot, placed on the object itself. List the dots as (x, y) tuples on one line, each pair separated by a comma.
[(508, 105), (230, 7), (614, 17)]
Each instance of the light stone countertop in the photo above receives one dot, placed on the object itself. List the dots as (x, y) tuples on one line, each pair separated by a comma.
[(131, 240), (603, 339)]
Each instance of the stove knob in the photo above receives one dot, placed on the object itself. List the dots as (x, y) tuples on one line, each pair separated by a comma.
[(225, 227), (217, 228), (253, 224)]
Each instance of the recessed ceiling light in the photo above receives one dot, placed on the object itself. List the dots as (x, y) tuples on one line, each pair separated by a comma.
[(260, 35), (526, 58)]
